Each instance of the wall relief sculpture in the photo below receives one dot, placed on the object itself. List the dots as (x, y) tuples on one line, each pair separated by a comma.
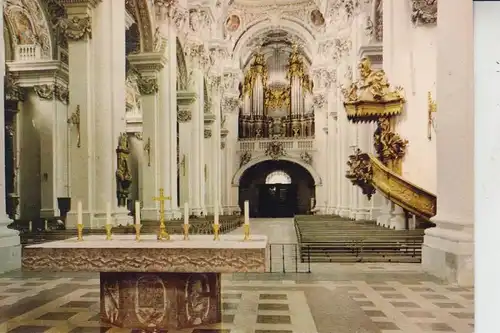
[(123, 175), (275, 150), (76, 28), (424, 11), (245, 157), (390, 147)]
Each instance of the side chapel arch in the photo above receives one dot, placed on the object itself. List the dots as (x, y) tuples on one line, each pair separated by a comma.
[(182, 74), (241, 171), (142, 11), (28, 24)]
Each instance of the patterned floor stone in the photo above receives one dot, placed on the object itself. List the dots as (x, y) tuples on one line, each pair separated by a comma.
[(66, 303)]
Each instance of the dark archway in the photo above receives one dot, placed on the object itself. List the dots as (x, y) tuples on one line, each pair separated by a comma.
[(282, 199)]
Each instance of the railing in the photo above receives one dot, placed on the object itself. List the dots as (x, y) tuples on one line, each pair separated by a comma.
[(288, 258), (256, 145), (31, 52)]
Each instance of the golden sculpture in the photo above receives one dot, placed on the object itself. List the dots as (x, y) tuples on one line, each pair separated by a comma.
[(277, 97), (390, 147), (258, 69), (162, 233), (123, 175), (246, 232), (360, 172), (138, 231), (431, 108), (74, 120), (371, 96)]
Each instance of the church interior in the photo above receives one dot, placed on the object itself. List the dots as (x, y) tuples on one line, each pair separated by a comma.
[(310, 163)]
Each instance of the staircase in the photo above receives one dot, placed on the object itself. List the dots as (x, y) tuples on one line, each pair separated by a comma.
[(336, 239)]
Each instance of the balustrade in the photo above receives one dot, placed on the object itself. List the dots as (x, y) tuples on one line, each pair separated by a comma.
[(262, 126), (28, 52), (289, 144)]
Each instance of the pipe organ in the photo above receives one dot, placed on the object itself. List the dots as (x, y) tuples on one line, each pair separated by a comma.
[(277, 97)]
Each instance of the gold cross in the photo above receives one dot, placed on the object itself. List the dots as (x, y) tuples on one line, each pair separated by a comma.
[(162, 199)]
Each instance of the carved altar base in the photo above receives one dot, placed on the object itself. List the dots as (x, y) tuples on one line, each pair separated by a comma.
[(154, 284)]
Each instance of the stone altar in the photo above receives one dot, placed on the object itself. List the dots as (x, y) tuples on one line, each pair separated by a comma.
[(154, 284)]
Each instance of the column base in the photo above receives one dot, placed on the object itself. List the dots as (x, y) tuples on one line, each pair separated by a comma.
[(49, 212), (10, 247), (362, 214), (160, 300), (448, 253), (72, 219), (150, 214), (344, 212)]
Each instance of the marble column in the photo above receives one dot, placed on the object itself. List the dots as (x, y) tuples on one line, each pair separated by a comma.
[(184, 101), (323, 152), (449, 247), (197, 168), (149, 66), (81, 109), (486, 164), (209, 167), (363, 209), (109, 70), (10, 248), (51, 104)]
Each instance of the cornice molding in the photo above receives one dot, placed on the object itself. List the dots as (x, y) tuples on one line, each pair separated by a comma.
[(40, 73)]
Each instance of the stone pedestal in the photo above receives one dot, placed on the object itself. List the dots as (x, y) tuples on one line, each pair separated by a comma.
[(160, 300)]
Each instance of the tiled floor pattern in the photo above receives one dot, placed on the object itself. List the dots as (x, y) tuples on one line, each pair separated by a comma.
[(70, 305)]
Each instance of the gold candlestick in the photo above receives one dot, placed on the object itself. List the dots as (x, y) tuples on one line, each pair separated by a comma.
[(79, 228), (216, 231), (162, 233), (186, 231), (138, 231), (246, 232), (108, 231)]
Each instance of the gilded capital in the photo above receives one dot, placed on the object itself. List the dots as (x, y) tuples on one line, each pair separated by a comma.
[(76, 28)]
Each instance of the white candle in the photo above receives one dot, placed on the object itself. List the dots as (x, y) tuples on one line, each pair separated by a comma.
[(137, 212), (46, 225), (216, 213), (246, 209), (79, 213), (186, 213), (108, 213), (30, 227)]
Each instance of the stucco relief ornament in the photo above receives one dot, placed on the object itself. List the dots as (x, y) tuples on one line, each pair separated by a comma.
[(44, 91), (76, 28), (231, 82), (13, 92), (62, 93), (230, 104), (245, 157), (184, 116), (424, 11), (275, 150), (147, 85), (319, 102), (306, 157), (207, 133)]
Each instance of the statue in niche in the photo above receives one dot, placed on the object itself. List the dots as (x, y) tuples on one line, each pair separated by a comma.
[(23, 28), (123, 175)]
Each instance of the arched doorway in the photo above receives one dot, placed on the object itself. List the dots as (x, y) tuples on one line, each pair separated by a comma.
[(276, 189)]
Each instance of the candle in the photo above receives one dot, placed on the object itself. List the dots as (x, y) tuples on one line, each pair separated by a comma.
[(186, 213), (137, 212), (46, 225), (108, 213), (246, 208), (79, 213), (30, 226), (216, 213)]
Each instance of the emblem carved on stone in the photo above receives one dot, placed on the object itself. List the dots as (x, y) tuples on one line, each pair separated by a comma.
[(147, 85), (76, 28), (151, 301), (424, 11), (207, 133), (230, 104), (184, 116), (44, 91), (275, 150), (111, 300), (197, 294)]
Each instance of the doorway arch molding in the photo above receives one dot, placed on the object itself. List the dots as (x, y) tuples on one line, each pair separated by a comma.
[(241, 171)]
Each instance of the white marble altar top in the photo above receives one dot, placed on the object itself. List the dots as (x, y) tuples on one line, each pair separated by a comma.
[(150, 241)]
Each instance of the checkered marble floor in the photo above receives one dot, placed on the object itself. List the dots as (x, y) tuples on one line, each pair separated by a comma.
[(361, 299)]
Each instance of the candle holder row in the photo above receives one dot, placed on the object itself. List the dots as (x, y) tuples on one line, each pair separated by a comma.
[(138, 227)]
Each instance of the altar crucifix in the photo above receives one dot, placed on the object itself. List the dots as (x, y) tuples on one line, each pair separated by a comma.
[(162, 234)]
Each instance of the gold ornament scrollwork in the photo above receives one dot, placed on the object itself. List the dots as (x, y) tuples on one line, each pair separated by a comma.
[(431, 109), (360, 172), (76, 28), (258, 69), (147, 149), (74, 120), (390, 147)]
